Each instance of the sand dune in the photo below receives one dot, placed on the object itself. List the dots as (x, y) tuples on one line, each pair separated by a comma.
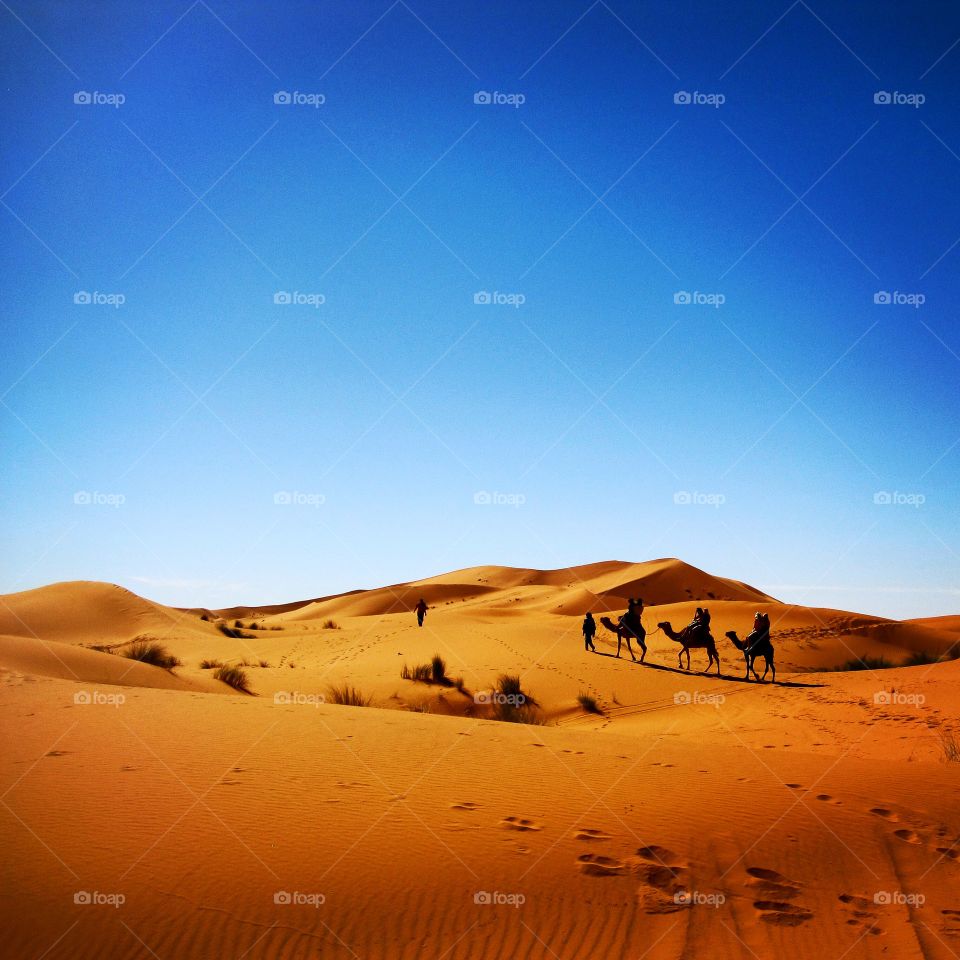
[(691, 816)]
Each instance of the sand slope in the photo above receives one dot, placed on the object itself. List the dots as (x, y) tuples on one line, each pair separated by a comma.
[(693, 816)]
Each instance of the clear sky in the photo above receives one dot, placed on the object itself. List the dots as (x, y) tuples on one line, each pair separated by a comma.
[(186, 436)]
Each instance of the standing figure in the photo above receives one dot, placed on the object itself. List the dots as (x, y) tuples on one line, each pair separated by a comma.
[(421, 609), (589, 631)]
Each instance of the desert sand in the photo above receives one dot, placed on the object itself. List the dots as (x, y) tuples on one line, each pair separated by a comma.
[(152, 812)]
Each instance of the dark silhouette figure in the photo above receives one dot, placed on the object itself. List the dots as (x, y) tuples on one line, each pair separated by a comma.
[(589, 632), (629, 625), (696, 635), (421, 609), (756, 644)]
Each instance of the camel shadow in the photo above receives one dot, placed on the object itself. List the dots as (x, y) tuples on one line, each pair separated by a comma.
[(713, 676)]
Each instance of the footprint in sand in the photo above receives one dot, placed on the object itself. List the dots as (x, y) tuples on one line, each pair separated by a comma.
[(885, 813), (908, 836), (860, 913), (951, 853), (826, 798), (591, 836), (594, 865), (782, 914), (951, 923), (519, 823), (467, 805), (770, 885)]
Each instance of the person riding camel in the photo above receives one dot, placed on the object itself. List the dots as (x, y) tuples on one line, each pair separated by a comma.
[(631, 619), (760, 632), (700, 622)]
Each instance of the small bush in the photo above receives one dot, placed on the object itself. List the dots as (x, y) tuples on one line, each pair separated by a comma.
[(205, 616), (152, 652), (210, 664), (330, 625), (264, 665), (422, 673), (461, 686), (235, 677), (866, 662), (950, 747), (438, 669), (920, 658), (588, 703), (347, 696)]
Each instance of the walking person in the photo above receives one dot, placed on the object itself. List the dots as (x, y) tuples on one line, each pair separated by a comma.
[(589, 631), (421, 609)]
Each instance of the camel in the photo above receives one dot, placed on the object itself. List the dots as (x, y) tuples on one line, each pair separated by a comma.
[(624, 632), (692, 640), (760, 646)]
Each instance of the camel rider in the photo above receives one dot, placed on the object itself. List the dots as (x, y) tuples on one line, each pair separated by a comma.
[(694, 625), (760, 632), (631, 619)]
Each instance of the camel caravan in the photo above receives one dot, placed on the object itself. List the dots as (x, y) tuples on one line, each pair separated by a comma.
[(694, 636)]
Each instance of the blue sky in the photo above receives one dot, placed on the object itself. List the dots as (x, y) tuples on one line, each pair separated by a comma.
[(200, 443)]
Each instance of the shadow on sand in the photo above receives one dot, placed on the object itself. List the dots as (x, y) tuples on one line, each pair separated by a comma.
[(697, 673)]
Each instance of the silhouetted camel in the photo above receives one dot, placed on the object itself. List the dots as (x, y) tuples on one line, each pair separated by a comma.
[(623, 632), (760, 646), (692, 640)]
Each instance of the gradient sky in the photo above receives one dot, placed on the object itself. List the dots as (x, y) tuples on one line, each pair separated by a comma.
[(602, 420)]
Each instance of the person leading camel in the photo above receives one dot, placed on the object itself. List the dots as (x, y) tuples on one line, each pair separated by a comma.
[(589, 631)]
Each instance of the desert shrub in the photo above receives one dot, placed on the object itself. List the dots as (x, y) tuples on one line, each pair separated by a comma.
[(949, 747), (438, 669), (588, 703), (460, 685), (152, 652), (347, 696), (264, 665), (210, 664), (330, 625), (919, 658), (205, 616), (236, 677), (509, 686), (866, 662), (421, 673)]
